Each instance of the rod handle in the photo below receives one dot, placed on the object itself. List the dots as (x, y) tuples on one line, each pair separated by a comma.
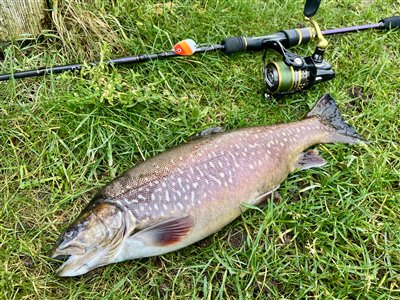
[(391, 22), (287, 38)]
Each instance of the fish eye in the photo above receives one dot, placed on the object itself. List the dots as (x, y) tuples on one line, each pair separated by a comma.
[(69, 234)]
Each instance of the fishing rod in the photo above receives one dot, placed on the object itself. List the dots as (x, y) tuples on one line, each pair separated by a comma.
[(293, 73), (288, 38)]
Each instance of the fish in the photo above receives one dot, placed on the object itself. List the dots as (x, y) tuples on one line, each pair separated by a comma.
[(185, 48), (191, 191)]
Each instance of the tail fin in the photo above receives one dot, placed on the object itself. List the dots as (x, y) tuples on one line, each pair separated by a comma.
[(327, 111)]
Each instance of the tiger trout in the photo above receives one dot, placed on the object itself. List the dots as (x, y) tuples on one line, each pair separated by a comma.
[(185, 194)]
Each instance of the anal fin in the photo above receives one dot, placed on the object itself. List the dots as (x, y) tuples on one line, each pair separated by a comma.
[(166, 233), (261, 200), (309, 159), (275, 197)]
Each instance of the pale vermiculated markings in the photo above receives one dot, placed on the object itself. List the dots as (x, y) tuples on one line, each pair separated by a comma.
[(179, 179), (234, 160), (255, 145), (230, 177), (200, 172), (192, 197), (126, 201), (227, 161), (215, 179), (191, 170)]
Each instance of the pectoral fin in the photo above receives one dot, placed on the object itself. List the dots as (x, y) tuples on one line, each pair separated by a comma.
[(166, 233), (309, 159)]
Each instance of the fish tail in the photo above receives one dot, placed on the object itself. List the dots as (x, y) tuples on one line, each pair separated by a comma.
[(327, 111)]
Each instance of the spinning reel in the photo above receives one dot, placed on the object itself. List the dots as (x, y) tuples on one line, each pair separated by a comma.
[(295, 72)]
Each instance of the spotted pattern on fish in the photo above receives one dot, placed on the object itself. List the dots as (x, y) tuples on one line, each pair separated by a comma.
[(219, 162)]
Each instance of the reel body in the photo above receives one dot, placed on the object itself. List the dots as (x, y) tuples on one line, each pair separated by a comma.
[(294, 73)]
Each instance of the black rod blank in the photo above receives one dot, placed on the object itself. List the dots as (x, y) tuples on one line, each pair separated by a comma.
[(114, 61)]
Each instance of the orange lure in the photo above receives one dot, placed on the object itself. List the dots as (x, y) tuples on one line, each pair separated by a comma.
[(186, 47)]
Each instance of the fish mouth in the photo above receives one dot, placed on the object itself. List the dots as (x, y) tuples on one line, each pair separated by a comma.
[(73, 264), (61, 257)]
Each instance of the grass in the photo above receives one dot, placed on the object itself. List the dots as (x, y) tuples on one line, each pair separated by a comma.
[(334, 235)]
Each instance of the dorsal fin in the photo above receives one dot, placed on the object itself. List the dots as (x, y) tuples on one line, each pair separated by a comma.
[(206, 132)]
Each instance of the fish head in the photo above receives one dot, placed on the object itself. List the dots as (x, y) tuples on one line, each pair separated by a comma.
[(91, 241)]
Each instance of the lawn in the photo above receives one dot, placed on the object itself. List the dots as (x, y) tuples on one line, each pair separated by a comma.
[(333, 235)]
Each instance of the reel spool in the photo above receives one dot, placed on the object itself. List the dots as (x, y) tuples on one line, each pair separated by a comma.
[(295, 72)]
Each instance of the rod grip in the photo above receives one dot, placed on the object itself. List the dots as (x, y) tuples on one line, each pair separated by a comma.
[(288, 38), (241, 43), (234, 44), (391, 23)]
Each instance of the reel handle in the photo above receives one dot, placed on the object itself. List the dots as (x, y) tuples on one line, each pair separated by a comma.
[(311, 7)]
